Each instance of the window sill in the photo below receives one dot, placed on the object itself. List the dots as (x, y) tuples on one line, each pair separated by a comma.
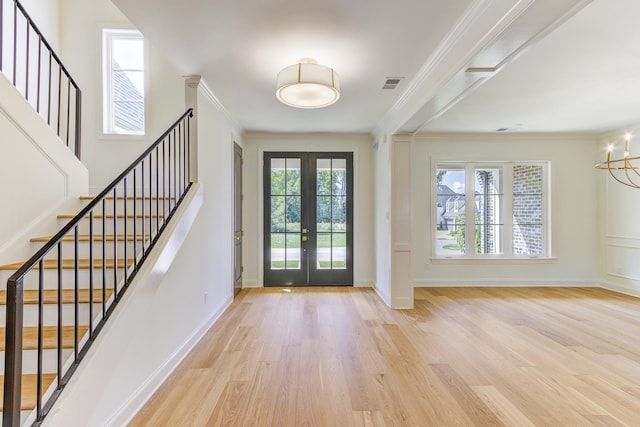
[(493, 260)]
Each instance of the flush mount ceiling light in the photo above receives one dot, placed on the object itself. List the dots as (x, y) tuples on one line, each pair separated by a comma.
[(308, 84)]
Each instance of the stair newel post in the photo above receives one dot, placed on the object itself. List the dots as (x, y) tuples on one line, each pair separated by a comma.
[(13, 353), (40, 339)]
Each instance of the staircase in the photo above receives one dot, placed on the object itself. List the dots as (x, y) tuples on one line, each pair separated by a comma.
[(57, 301), (90, 277)]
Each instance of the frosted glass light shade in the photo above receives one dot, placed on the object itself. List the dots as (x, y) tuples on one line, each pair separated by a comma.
[(308, 85)]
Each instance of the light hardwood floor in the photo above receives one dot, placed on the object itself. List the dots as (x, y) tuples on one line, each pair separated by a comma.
[(462, 357)]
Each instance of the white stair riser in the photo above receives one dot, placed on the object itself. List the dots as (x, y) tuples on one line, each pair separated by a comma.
[(150, 225), (49, 361), (68, 279), (68, 249), (149, 207), (50, 314)]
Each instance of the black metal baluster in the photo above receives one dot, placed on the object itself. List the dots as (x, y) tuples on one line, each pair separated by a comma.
[(164, 179), (38, 75), (68, 109), (15, 41), (135, 222), (59, 337), (1, 34), (150, 194), (115, 246), (104, 257), (189, 147), (26, 69), (40, 338), (180, 156), (126, 220), (168, 179), (157, 196), (78, 133), (143, 220), (49, 90), (59, 98), (158, 188), (76, 284), (175, 173), (91, 274)]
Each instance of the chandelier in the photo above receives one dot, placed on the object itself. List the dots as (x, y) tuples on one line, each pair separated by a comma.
[(625, 170), (308, 84)]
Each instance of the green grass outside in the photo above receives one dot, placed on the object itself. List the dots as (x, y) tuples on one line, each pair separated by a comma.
[(293, 240)]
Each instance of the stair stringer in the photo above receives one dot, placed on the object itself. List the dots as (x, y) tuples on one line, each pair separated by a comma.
[(39, 172)]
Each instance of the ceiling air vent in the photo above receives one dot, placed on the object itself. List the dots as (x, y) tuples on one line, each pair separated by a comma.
[(391, 82)]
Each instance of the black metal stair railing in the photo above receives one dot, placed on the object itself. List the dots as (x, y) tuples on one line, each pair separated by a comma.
[(30, 63), (139, 203)]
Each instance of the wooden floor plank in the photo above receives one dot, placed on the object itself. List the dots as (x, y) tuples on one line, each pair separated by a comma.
[(462, 356)]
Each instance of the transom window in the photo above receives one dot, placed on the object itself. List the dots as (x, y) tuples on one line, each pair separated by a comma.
[(491, 209), (123, 82)]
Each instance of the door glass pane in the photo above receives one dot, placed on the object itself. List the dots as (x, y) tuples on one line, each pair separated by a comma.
[(323, 177), (293, 177), (323, 250), (293, 251), (450, 211), (285, 251), (278, 168), (323, 213), (339, 214), (339, 176), (278, 214), (293, 213), (277, 251), (339, 251)]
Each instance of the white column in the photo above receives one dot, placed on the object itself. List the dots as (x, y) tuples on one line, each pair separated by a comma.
[(192, 85), (401, 221)]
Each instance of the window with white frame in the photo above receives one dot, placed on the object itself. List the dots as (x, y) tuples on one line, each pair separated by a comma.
[(491, 209), (123, 82)]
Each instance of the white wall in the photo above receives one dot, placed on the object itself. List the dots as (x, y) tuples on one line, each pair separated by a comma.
[(382, 211), (620, 231), (574, 216), (81, 43), (255, 144), (46, 15)]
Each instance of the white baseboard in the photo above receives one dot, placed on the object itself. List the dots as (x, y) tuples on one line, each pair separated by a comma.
[(248, 284), (365, 283), (402, 303), (383, 295), (123, 415), (432, 283), (623, 289)]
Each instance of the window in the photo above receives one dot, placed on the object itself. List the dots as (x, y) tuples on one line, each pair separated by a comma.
[(507, 203), (123, 82)]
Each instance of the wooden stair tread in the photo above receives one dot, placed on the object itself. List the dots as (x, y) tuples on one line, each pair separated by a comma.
[(129, 216), (49, 337), (29, 385), (68, 264), (68, 296), (85, 238)]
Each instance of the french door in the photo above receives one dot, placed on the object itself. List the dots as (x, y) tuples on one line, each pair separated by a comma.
[(308, 219)]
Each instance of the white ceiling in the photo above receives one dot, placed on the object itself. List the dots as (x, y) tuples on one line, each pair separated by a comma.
[(583, 76)]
